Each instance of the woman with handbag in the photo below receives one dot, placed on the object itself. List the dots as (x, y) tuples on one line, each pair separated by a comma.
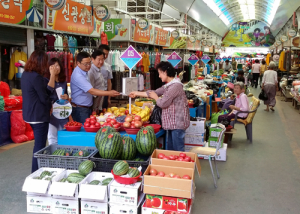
[(270, 86)]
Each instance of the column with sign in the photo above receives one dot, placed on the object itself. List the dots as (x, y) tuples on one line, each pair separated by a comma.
[(218, 60), (130, 57), (193, 60), (205, 59)]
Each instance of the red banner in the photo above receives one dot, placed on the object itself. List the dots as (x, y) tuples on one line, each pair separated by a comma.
[(161, 36), (14, 11), (143, 36)]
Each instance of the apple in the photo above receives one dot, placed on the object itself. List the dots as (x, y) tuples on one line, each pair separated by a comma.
[(108, 124), (92, 126), (87, 120), (172, 175), (186, 177), (116, 126), (152, 174), (126, 124), (161, 155), (97, 125), (128, 118), (153, 171), (166, 158), (192, 161), (176, 157), (92, 117), (113, 121), (93, 122), (126, 112), (159, 176), (182, 155), (177, 176), (132, 126), (172, 157), (187, 158), (138, 124), (161, 173), (108, 120), (180, 159), (94, 113), (132, 122), (137, 118), (86, 124)]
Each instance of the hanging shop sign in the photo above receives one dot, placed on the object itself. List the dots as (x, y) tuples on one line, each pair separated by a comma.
[(175, 34), (130, 57), (197, 45), (218, 59), (14, 12), (174, 59), (229, 58), (161, 36), (296, 41), (204, 42), (55, 4), (209, 44), (143, 24), (224, 58), (142, 36), (117, 29), (101, 13), (192, 39), (193, 59), (205, 59), (71, 18), (292, 33), (283, 38)]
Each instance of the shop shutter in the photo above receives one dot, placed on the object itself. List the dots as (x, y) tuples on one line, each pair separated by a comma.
[(13, 36)]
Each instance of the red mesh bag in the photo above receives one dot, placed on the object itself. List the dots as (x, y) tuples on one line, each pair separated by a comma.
[(13, 103), (4, 89), (18, 127), (29, 132)]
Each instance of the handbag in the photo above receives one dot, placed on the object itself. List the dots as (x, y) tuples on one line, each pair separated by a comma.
[(263, 95)]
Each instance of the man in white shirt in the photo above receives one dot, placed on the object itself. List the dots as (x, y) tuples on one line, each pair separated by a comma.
[(255, 72), (107, 75)]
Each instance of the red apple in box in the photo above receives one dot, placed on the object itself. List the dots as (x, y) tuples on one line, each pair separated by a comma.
[(161, 155), (187, 158), (172, 157), (166, 158), (162, 174), (182, 155), (186, 177)]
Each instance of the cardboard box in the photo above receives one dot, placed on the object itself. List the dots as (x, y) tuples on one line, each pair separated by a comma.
[(65, 190), (195, 139), (147, 210), (39, 204), (125, 194), (197, 127), (88, 207), (64, 206), (95, 193), (40, 187), (124, 208), (188, 147), (223, 153), (214, 131), (167, 203), (173, 163), (212, 142), (170, 186)]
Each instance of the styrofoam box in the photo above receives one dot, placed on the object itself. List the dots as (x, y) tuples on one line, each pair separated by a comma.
[(125, 194), (39, 204), (124, 208), (40, 187), (88, 207), (65, 190), (95, 193), (196, 127), (194, 139), (223, 153), (64, 206)]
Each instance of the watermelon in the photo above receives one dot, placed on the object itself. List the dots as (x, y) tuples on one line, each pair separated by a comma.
[(75, 178), (106, 181), (129, 148), (94, 182), (133, 172), (111, 146), (102, 133), (121, 168), (45, 173), (63, 180), (86, 167), (146, 141)]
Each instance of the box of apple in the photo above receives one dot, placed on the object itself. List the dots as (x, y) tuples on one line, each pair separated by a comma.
[(133, 122), (181, 157)]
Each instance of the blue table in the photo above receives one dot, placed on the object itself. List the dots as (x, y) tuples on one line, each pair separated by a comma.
[(193, 112), (83, 138)]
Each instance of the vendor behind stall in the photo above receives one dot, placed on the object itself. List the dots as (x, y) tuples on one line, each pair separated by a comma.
[(241, 104), (208, 66), (175, 110), (228, 66)]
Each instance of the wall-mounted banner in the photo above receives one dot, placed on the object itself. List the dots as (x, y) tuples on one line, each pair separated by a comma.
[(117, 29), (175, 34), (161, 37), (14, 12), (143, 36), (101, 13), (143, 24), (292, 33)]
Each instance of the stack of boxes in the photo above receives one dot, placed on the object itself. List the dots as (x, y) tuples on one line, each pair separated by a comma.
[(195, 134), (214, 132), (169, 195)]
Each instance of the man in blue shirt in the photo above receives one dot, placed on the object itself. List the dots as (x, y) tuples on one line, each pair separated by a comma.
[(82, 91), (208, 66), (107, 74)]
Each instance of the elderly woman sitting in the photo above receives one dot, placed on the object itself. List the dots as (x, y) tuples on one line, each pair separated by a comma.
[(241, 104)]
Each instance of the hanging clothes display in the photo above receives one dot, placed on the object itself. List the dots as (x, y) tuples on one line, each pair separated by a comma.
[(58, 44), (50, 42), (15, 57), (281, 61)]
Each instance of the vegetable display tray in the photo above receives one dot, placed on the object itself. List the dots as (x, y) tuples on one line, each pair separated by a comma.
[(46, 159), (106, 165)]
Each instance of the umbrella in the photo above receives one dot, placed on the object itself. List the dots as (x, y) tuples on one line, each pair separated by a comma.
[(33, 15)]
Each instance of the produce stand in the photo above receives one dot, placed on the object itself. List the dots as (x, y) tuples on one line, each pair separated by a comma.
[(83, 138)]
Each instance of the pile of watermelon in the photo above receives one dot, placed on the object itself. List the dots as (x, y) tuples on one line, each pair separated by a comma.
[(111, 145)]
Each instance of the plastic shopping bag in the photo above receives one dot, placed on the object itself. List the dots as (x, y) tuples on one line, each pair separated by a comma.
[(18, 127), (155, 117), (263, 95)]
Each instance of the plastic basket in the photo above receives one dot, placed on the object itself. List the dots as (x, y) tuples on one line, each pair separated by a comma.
[(45, 159), (106, 165)]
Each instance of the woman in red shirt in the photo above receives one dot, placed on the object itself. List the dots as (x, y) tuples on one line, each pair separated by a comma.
[(175, 110)]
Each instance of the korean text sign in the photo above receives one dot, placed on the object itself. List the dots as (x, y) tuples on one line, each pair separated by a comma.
[(144, 36), (72, 20), (14, 11), (161, 36), (117, 29)]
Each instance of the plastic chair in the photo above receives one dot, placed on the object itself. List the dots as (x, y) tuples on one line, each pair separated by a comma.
[(249, 120), (211, 153)]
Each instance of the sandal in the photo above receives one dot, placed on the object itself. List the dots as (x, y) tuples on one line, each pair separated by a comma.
[(266, 109), (272, 109)]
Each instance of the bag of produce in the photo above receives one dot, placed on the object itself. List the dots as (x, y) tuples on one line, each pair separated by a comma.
[(18, 127), (155, 117)]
